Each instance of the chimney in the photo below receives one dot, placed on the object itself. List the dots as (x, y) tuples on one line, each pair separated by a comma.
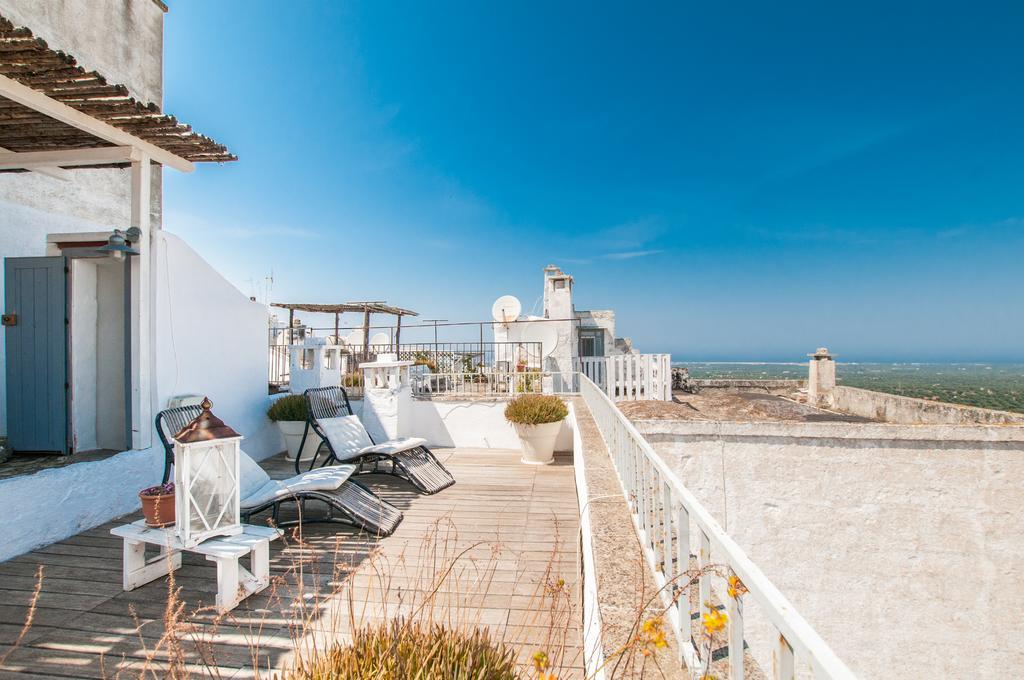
[(821, 378)]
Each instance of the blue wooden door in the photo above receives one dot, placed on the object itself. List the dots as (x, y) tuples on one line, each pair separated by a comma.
[(35, 329)]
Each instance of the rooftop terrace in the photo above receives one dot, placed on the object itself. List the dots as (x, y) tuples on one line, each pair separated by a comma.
[(499, 548)]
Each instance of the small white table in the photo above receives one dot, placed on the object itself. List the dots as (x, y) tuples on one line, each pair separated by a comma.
[(234, 581)]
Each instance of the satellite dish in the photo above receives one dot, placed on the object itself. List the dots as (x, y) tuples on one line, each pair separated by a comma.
[(544, 333), (380, 339), (354, 338), (506, 309)]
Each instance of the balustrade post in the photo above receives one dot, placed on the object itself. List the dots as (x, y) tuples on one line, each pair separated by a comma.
[(641, 492), (783, 663), (704, 580), (657, 513), (683, 551), (734, 609), (666, 506)]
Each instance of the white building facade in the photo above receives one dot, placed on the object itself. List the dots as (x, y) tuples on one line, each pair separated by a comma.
[(583, 341), (138, 329)]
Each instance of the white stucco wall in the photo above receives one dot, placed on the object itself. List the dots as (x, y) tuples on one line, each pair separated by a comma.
[(212, 340), (901, 545), (23, 231), (110, 383), (97, 354), (209, 338), (61, 502), (83, 357), (477, 423), (121, 39)]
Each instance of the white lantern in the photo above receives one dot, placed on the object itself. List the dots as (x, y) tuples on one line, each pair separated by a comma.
[(206, 479)]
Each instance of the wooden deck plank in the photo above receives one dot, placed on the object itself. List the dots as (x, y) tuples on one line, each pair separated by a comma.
[(514, 529)]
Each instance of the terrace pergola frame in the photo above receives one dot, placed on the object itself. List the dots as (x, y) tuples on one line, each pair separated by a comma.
[(55, 117), (366, 308)]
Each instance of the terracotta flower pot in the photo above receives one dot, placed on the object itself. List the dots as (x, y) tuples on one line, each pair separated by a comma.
[(158, 510)]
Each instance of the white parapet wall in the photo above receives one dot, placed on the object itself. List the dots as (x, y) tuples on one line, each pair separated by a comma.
[(899, 544), (212, 340), (892, 408), (471, 423)]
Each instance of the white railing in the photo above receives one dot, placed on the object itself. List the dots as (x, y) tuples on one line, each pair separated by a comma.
[(631, 377), (277, 362), (493, 383), (664, 512)]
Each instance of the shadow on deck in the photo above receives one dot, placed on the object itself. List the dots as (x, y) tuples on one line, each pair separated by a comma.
[(497, 550)]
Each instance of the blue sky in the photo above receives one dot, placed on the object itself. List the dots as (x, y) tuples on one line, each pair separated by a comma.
[(736, 180)]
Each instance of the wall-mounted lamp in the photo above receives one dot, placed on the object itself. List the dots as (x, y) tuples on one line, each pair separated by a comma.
[(120, 243)]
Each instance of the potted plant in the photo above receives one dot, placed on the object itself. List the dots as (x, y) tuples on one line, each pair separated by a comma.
[(537, 419), (158, 505), (290, 415)]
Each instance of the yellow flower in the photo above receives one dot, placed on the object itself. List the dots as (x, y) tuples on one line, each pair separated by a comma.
[(540, 661), (715, 621), (652, 635), (736, 587)]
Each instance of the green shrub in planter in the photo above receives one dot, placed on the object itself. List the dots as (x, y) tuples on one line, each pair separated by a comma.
[(536, 409), (289, 409), (400, 649)]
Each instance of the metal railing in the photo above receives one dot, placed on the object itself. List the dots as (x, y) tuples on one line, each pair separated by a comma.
[(452, 358), (492, 383), (664, 512)]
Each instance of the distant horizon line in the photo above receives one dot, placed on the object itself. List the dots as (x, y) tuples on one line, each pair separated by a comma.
[(842, 360)]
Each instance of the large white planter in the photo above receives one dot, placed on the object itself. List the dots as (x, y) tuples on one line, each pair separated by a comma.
[(538, 442), (292, 432)]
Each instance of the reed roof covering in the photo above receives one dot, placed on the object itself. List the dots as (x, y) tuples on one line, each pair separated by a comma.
[(31, 62), (341, 308)]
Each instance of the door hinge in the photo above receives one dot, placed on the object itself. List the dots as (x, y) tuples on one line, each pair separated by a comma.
[(67, 269), (10, 319), (67, 321), (67, 386)]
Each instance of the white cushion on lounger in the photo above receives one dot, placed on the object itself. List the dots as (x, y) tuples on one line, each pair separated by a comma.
[(394, 446), (349, 439), (257, 488)]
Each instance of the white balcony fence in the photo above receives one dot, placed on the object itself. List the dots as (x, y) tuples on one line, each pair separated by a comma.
[(631, 377), (491, 383), (670, 521)]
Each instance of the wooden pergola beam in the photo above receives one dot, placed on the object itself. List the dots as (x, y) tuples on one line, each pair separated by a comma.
[(49, 171), (32, 160), (33, 99)]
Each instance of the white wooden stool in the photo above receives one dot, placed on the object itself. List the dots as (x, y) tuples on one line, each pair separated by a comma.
[(234, 581)]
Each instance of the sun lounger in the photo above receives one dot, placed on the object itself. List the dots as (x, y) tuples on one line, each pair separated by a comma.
[(345, 440), (347, 500)]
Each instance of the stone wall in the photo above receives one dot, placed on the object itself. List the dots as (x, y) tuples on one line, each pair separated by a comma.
[(892, 408), (899, 544), (743, 385)]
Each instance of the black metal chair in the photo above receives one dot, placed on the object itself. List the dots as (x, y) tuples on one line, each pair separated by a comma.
[(355, 503), (168, 423), (407, 459)]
